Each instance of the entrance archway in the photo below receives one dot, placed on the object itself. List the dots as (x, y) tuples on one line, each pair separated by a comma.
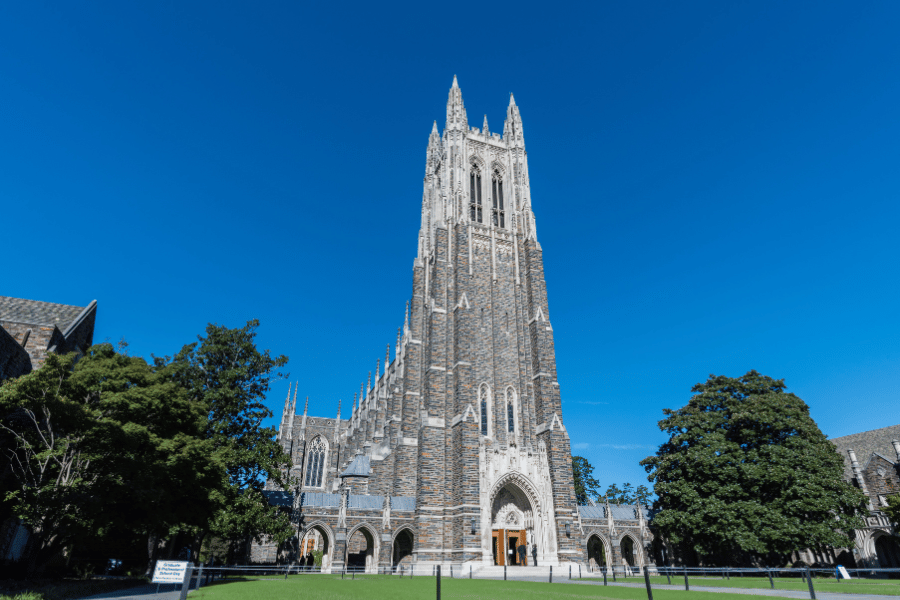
[(361, 550), (316, 539), (628, 554), (596, 552), (512, 526), (403, 548), (888, 552)]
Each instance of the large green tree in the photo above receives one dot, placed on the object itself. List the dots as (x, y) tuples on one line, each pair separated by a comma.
[(102, 445), (585, 484), (225, 374), (747, 475)]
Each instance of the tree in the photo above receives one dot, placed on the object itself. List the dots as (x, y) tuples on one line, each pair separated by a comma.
[(892, 510), (228, 377), (643, 495), (616, 495), (100, 446), (585, 485), (747, 474)]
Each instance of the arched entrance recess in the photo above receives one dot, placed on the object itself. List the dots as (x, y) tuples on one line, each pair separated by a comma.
[(632, 555), (887, 551), (596, 551), (404, 542), (316, 538), (515, 524), (362, 549)]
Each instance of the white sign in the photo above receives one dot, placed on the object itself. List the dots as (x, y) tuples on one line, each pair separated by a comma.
[(169, 571), (843, 572)]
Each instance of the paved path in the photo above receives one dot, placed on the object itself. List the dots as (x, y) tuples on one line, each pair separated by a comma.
[(167, 591)]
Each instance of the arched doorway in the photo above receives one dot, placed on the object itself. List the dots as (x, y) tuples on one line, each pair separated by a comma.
[(361, 550), (888, 552), (403, 548), (628, 553), (512, 526), (596, 552), (315, 547)]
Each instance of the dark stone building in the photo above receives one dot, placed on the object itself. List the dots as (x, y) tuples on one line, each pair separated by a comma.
[(29, 329), (457, 451)]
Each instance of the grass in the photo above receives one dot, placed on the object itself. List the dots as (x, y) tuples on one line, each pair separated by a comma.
[(884, 587), (386, 587)]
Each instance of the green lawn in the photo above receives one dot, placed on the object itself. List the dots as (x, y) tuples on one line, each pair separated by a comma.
[(886, 587), (378, 587)]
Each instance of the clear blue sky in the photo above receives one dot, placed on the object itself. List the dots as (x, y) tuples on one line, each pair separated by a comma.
[(716, 186)]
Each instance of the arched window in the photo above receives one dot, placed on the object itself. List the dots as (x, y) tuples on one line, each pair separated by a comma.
[(510, 410), (315, 462), (475, 194), (498, 212), (484, 402)]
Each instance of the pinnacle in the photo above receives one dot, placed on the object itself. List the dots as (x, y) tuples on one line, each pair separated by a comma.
[(456, 85), (434, 128), (512, 100)]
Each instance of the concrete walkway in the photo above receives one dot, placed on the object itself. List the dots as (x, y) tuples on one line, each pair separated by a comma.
[(167, 591)]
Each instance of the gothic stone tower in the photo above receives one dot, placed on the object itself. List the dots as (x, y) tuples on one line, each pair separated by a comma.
[(490, 443), (457, 452)]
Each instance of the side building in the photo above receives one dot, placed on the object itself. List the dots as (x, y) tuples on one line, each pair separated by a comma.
[(30, 329), (456, 451)]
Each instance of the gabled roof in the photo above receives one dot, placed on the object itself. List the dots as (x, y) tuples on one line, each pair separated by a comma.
[(358, 467), (865, 444), (34, 312)]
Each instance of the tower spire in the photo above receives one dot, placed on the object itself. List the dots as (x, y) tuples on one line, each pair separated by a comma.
[(456, 110), (484, 129), (512, 127)]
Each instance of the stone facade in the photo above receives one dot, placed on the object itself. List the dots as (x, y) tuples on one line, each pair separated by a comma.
[(457, 450), (32, 329), (872, 463)]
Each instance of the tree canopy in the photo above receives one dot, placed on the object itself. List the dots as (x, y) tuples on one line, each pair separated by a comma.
[(585, 484), (226, 375), (628, 494), (746, 473), (100, 445)]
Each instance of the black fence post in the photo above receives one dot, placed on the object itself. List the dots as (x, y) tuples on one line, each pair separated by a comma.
[(343, 570), (186, 582), (771, 583), (579, 570), (668, 577), (470, 571), (812, 592), (504, 572), (604, 575), (728, 573), (614, 573), (451, 571), (687, 586), (438, 578), (570, 571), (647, 582), (551, 574)]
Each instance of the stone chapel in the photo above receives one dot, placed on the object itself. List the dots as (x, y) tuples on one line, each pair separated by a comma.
[(457, 451)]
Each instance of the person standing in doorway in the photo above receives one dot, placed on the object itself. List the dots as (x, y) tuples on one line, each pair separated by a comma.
[(523, 554), (534, 553)]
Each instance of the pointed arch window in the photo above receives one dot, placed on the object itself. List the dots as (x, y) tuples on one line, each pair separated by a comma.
[(498, 212), (485, 406), (510, 410), (315, 462), (475, 194)]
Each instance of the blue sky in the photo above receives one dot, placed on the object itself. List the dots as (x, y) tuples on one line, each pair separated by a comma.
[(715, 186)]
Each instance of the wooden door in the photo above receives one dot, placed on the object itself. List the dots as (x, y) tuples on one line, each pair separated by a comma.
[(500, 545)]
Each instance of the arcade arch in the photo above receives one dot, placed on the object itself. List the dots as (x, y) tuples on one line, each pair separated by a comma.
[(514, 529), (597, 551), (404, 542), (316, 538), (362, 549)]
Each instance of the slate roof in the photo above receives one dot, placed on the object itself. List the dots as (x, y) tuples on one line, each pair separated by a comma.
[(34, 312), (319, 499), (864, 444), (358, 467), (403, 503), (279, 498), (620, 512)]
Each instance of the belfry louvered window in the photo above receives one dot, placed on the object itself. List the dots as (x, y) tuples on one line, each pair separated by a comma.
[(475, 195), (499, 214), (484, 411), (510, 417), (315, 462)]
